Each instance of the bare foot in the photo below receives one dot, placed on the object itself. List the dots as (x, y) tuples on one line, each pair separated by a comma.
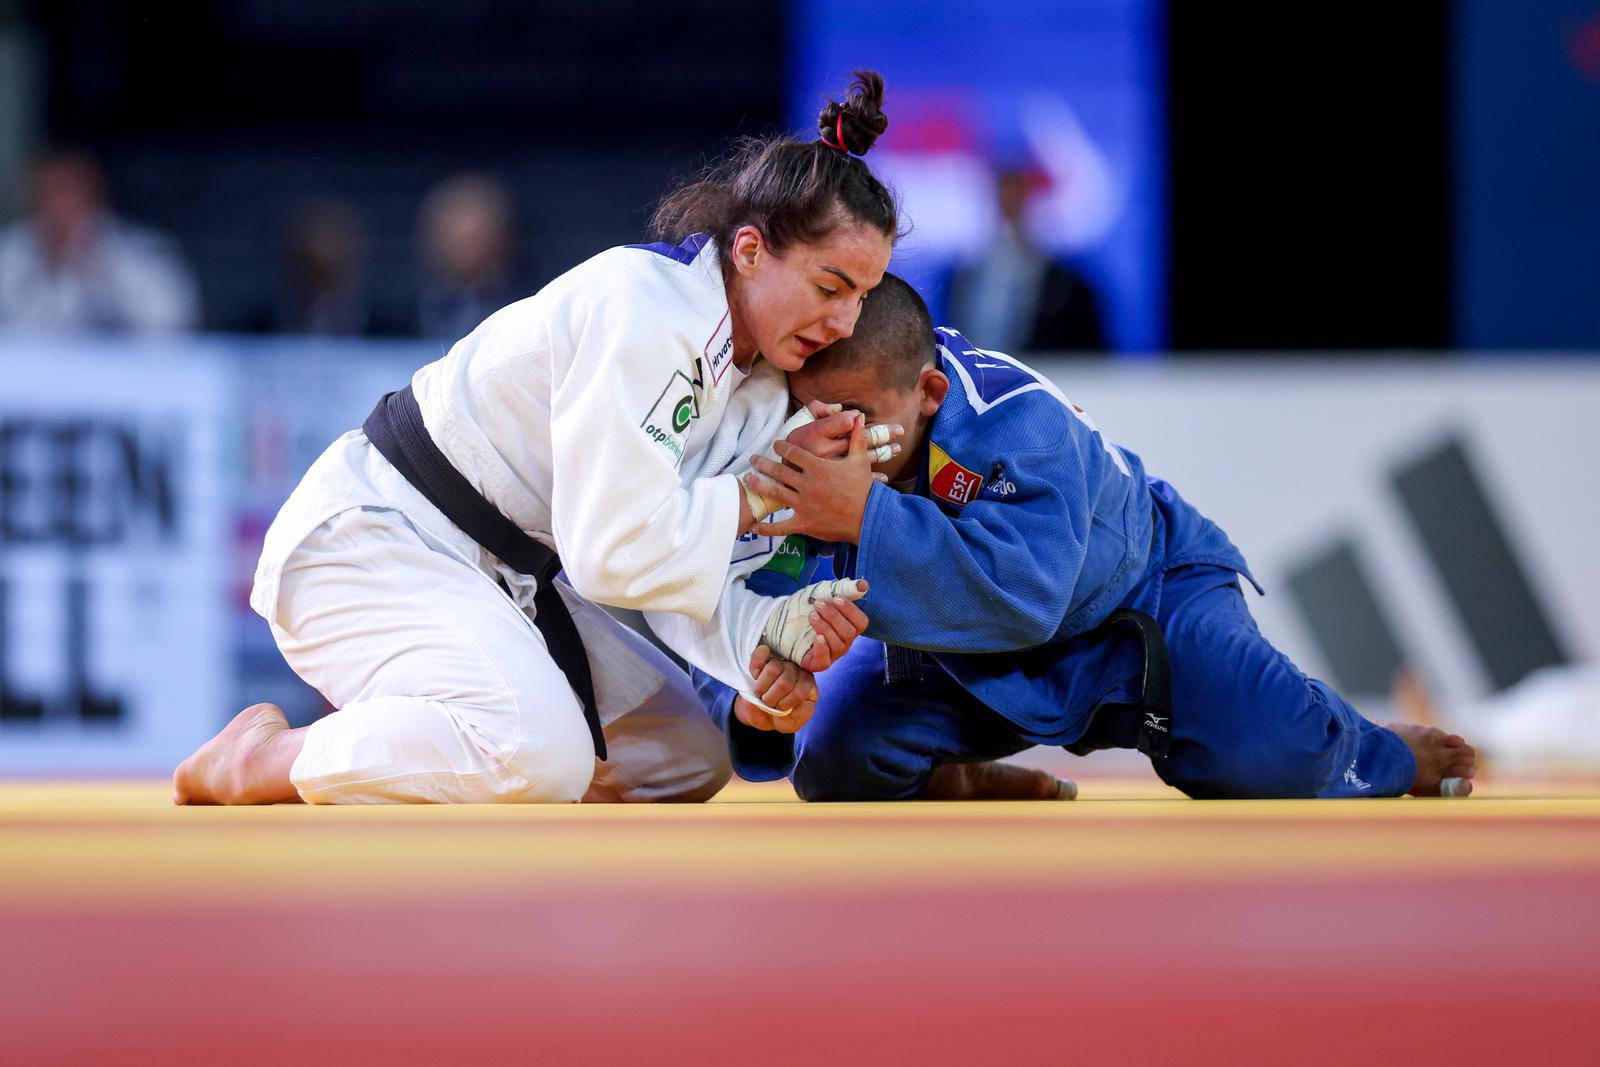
[(993, 781), (247, 763), (1439, 756)]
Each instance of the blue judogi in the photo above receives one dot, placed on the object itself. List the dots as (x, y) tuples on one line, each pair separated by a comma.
[(1025, 531)]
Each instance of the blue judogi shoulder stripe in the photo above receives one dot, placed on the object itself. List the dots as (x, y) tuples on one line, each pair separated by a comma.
[(686, 252)]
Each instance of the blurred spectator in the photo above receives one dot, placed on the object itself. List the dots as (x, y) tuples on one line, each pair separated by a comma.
[(468, 249), (1015, 298), (323, 289), (71, 265)]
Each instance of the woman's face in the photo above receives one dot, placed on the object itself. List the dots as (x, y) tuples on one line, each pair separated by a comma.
[(787, 307)]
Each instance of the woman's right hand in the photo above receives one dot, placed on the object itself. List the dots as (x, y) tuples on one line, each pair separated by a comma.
[(780, 685)]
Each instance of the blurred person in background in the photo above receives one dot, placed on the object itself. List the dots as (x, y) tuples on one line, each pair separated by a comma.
[(1015, 296), (467, 229), (71, 265), (323, 290)]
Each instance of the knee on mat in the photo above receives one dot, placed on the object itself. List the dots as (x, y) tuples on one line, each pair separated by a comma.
[(551, 770), (704, 782), (845, 768), (703, 757)]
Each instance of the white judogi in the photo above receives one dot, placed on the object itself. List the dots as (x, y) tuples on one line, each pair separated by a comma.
[(586, 414), (722, 645)]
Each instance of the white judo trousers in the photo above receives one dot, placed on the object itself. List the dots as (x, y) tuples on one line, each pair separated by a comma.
[(446, 693), (592, 415)]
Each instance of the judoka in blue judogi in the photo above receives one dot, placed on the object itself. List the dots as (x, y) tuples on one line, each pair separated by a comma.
[(1031, 584)]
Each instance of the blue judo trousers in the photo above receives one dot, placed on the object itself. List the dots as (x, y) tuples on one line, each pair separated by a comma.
[(989, 582)]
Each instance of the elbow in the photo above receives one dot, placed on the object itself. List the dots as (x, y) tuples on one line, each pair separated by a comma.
[(1035, 623), (596, 578), (591, 578), (1029, 631)]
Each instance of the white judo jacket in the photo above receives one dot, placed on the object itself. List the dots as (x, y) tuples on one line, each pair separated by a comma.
[(596, 416)]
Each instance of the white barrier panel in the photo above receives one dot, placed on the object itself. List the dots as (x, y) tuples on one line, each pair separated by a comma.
[(1293, 455), (136, 481), (114, 638)]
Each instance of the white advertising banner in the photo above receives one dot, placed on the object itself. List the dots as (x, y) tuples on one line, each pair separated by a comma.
[(113, 633), (1293, 457), (136, 481)]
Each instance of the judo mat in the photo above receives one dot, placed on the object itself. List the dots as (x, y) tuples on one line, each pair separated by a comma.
[(1130, 926)]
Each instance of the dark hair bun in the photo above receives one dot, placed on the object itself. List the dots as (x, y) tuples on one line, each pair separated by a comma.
[(864, 120)]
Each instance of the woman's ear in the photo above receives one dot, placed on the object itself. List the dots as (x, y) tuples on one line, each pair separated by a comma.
[(748, 248), (933, 387)]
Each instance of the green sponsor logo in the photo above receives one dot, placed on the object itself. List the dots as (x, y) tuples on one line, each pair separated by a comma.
[(682, 414), (790, 558), (669, 417)]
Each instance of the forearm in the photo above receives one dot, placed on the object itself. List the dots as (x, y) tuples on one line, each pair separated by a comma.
[(756, 755), (985, 582)]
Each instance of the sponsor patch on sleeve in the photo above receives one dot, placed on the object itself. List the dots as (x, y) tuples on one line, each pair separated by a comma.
[(790, 558), (719, 349), (668, 420), (949, 480)]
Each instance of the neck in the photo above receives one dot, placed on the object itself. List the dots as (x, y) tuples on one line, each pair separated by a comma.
[(744, 346), (914, 455)]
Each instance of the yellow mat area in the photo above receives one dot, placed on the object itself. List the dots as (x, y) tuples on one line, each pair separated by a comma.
[(121, 844)]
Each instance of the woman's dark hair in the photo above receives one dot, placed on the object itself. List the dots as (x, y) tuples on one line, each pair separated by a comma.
[(793, 191)]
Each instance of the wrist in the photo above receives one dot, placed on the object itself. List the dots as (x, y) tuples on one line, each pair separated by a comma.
[(746, 515), (858, 516)]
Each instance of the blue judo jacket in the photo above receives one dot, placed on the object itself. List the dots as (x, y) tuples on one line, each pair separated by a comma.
[(1026, 529)]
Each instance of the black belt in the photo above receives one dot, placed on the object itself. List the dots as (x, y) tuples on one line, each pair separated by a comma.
[(1155, 700), (395, 429), (1110, 726)]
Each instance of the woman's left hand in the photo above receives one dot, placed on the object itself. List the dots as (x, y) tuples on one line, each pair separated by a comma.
[(837, 622)]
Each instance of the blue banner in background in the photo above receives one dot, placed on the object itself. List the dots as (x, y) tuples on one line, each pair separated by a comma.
[(1067, 94), (1527, 173)]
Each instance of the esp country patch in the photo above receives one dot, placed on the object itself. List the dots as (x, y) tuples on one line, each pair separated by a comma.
[(949, 480)]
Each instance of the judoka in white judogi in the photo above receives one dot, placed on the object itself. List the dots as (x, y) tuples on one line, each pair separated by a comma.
[(587, 414)]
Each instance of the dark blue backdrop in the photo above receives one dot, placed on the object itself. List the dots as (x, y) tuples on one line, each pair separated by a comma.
[(1527, 173)]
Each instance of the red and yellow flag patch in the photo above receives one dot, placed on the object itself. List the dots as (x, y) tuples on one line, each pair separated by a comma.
[(949, 480)]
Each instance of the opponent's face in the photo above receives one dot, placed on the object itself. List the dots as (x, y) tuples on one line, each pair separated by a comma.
[(859, 388), (789, 306)]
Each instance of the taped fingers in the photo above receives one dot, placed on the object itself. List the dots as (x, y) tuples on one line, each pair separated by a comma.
[(831, 627), (882, 441), (837, 623), (788, 632)]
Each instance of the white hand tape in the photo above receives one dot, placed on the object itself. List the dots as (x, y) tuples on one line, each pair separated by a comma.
[(788, 630), (760, 506), (878, 442), (803, 417)]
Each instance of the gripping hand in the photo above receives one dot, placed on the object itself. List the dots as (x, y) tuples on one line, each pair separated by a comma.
[(789, 631)]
